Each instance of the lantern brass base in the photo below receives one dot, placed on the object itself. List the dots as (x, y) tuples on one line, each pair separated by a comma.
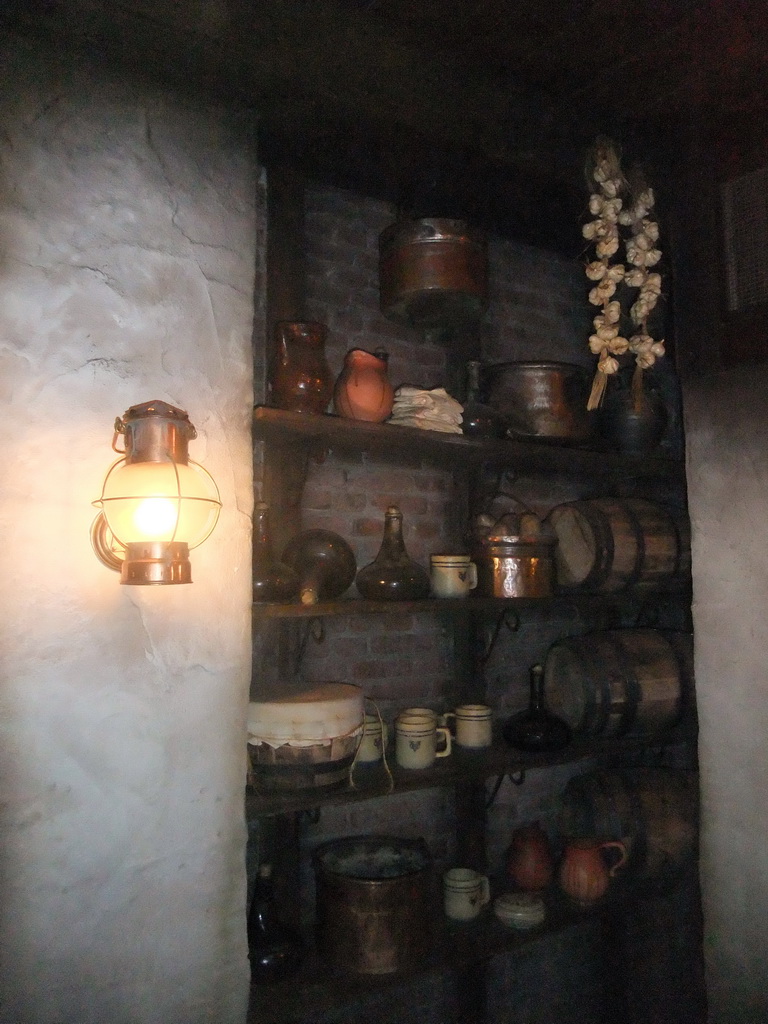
[(156, 562)]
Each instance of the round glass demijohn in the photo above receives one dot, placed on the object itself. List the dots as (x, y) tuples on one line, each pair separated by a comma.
[(479, 419), (274, 949), (393, 575)]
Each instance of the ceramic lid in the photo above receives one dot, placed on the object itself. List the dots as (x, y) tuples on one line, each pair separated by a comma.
[(520, 909)]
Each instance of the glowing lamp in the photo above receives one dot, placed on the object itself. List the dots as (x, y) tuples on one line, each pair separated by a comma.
[(155, 505)]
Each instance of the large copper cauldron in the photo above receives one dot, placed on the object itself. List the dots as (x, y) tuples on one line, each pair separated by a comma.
[(433, 273), (374, 905), (541, 401)]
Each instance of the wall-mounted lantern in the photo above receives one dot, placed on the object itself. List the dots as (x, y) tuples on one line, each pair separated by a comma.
[(155, 504)]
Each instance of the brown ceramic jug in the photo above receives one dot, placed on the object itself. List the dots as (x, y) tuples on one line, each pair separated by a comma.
[(584, 875), (302, 380), (530, 864), (363, 390)]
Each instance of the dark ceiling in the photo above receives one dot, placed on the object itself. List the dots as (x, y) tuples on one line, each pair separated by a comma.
[(480, 108)]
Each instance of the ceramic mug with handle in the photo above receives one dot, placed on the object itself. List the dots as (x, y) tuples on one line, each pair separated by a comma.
[(465, 893), (416, 740), (374, 740), (452, 575), (473, 725)]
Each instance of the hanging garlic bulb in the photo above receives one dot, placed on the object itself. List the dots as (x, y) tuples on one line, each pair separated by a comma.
[(605, 205), (613, 205)]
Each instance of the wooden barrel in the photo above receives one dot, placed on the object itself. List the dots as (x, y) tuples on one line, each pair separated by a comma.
[(609, 544), (653, 811), (620, 681)]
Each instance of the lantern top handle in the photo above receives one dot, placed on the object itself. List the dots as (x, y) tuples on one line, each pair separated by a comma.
[(154, 431)]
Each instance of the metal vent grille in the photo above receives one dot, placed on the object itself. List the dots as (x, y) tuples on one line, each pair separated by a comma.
[(745, 220)]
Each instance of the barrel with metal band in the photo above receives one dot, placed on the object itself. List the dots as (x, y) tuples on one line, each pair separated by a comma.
[(652, 811), (613, 544), (621, 681)]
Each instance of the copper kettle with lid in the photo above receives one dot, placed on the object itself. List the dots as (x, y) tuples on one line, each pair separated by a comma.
[(514, 556)]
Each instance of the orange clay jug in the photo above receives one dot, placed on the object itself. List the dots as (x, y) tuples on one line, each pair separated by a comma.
[(362, 390), (584, 875)]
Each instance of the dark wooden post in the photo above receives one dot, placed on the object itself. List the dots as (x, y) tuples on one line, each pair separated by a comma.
[(286, 256)]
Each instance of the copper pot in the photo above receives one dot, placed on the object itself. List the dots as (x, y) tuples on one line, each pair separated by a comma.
[(543, 401), (515, 558), (433, 273)]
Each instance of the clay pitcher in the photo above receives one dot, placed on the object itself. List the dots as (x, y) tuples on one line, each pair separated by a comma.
[(584, 875), (303, 381), (530, 864), (363, 390)]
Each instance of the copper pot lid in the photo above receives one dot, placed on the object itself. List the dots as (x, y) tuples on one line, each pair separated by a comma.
[(431, 229)]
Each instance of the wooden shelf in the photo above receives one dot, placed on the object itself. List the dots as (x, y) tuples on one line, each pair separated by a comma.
[(461, 766), (458, 607), (318, 988), (325, 432)]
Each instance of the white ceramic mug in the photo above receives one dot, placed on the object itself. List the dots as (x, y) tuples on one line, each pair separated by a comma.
[(452, 575), (465, 893), (436, 716), (374, 740), (473, 725), (416, 739)]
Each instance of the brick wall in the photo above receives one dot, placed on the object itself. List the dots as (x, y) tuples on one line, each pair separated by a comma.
[(537, 310)]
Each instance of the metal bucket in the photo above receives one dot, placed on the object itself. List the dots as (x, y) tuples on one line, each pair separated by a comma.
[(374, 905), (515, 558)]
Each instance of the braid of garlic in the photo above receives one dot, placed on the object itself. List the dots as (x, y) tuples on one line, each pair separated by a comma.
[(605, 205), (643, 254)]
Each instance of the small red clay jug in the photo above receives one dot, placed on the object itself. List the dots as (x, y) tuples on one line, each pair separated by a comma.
[(530, 863), (362, 390), (584, 875)]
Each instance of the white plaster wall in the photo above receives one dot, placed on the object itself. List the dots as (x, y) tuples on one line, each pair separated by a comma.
[(127, 241), (727, 454)]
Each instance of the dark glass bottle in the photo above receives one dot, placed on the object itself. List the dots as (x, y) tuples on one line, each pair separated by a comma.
[(274, 949), (392, 575), (536, 728), (478, 419), (272, 580)]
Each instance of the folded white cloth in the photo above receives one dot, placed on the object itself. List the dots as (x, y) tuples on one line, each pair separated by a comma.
[(427, 414), (419, 398), (425, 423)]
